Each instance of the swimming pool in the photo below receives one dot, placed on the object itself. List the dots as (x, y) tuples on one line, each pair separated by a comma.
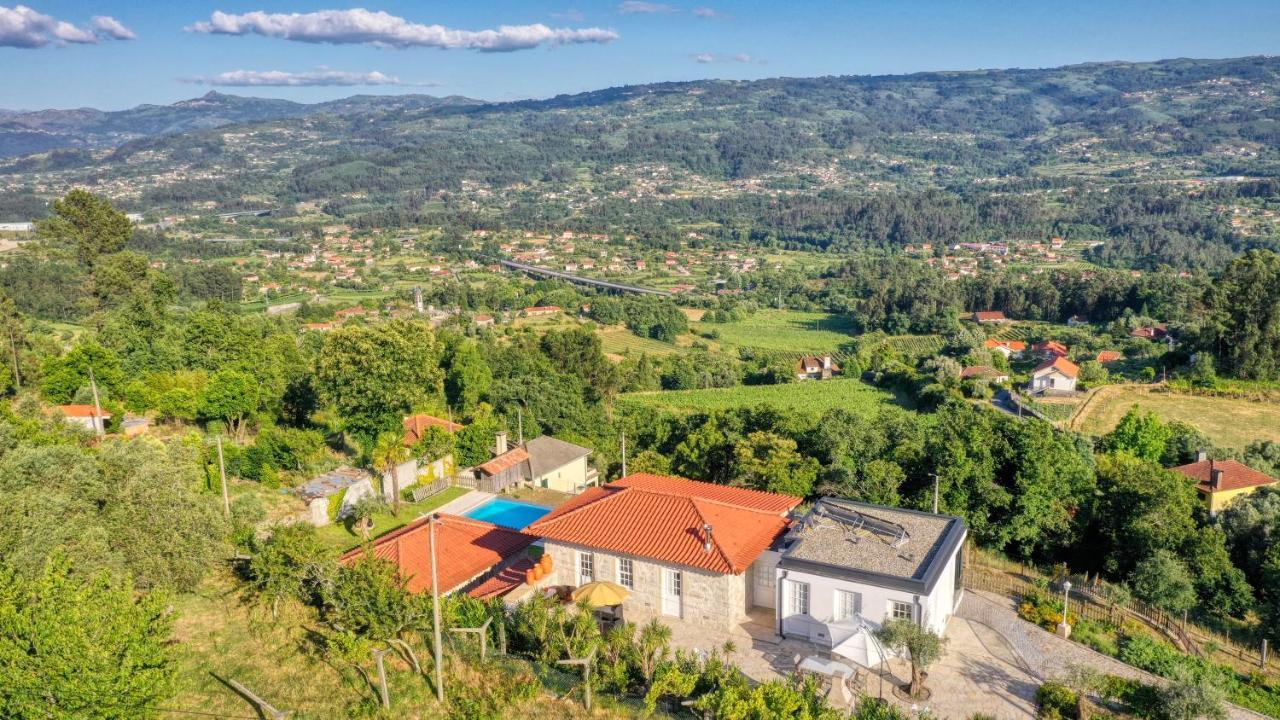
[(508, 513)]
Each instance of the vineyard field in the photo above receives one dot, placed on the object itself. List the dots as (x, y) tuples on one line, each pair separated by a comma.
[(814, 396), (620, 341), (788, 330)]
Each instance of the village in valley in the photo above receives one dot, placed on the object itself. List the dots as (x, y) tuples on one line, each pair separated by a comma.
[(766, 393)]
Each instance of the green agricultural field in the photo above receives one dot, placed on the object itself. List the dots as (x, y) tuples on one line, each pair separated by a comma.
[(788, 330), (815, 396), (620, 341)]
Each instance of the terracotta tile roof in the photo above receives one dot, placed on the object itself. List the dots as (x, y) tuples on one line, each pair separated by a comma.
[(509, 459), (81, 411), (1107, 356), (1050, 346), (1061, 364), (542, 309), (1014, 345), (466, 549), (988, 315), (415, 425), (980, 371), (664, 518), (506, 580), (1235, 475)]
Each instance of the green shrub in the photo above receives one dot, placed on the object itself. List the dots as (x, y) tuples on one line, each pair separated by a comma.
[(1097, 635), (1055, 700)]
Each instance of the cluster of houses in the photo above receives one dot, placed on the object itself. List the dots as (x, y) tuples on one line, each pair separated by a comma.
[(680, 549)]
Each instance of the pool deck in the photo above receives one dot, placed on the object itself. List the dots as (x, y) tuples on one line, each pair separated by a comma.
[(466, 503)]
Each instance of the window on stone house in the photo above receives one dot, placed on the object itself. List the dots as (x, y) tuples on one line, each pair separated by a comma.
[(626, 578)]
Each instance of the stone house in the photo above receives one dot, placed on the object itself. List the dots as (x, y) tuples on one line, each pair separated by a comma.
[(684, 549), (87, 416), (816, 367)]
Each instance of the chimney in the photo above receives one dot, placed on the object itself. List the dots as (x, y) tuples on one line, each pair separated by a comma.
[(706, 537), (1215, 477), (500, 443), (1201, 456), (826, 362)]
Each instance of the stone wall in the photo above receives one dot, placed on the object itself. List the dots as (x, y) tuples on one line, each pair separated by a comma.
[(708, 598)]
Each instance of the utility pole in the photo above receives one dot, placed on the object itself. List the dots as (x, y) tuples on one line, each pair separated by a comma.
[(520, 425), (222, 473), (99, 425), (935, 493), (435, 610), (624, 453)]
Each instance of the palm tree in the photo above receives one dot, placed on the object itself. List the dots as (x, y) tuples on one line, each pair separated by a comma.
[(389, 452)]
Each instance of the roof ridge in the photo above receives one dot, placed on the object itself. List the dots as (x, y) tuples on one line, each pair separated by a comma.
[(713, 501), (711, 536), (613, 492)]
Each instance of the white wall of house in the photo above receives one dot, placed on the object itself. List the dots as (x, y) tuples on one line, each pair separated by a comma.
[(1053, 380), (570, 478), (318, 508), (412, 472), (707, 598), (875, 603)]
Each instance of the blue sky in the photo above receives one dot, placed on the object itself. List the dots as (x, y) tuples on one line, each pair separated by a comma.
[(54, 53)]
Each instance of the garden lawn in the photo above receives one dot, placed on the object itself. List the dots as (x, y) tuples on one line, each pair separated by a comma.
[(1230, 422), (817, 396), (340, 538)]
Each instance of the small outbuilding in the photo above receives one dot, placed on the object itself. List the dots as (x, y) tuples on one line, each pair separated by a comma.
[(329, 496)]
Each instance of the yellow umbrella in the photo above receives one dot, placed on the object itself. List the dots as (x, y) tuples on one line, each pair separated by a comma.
[(601, 593)]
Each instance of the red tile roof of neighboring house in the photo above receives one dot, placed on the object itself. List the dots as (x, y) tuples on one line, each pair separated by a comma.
[(82, 411), (1107, 356), (663, 518), (506, 580), (415, 425), (988, 315), (466, 549), (1153, 332), (1061, 364), (542, 309), (980, 371), (1052, 346), (506, 460), (1235, 475), (1014, 345)]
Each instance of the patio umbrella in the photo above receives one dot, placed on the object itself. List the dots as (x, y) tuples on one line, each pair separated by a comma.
[(860, 647), (601, 593)]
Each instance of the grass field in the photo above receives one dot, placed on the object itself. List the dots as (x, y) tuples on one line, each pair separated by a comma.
[(815, 396), (785, 330), (338, 537), (1229, 422)]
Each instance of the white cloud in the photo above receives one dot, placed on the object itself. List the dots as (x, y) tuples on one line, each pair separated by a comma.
[(380, 28), (279, 78), (629, 7), (22, 27), (707, 58), (112, 28), (705, 12)]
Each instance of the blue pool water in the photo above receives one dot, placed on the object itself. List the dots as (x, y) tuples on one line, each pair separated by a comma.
[(508, 513)]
